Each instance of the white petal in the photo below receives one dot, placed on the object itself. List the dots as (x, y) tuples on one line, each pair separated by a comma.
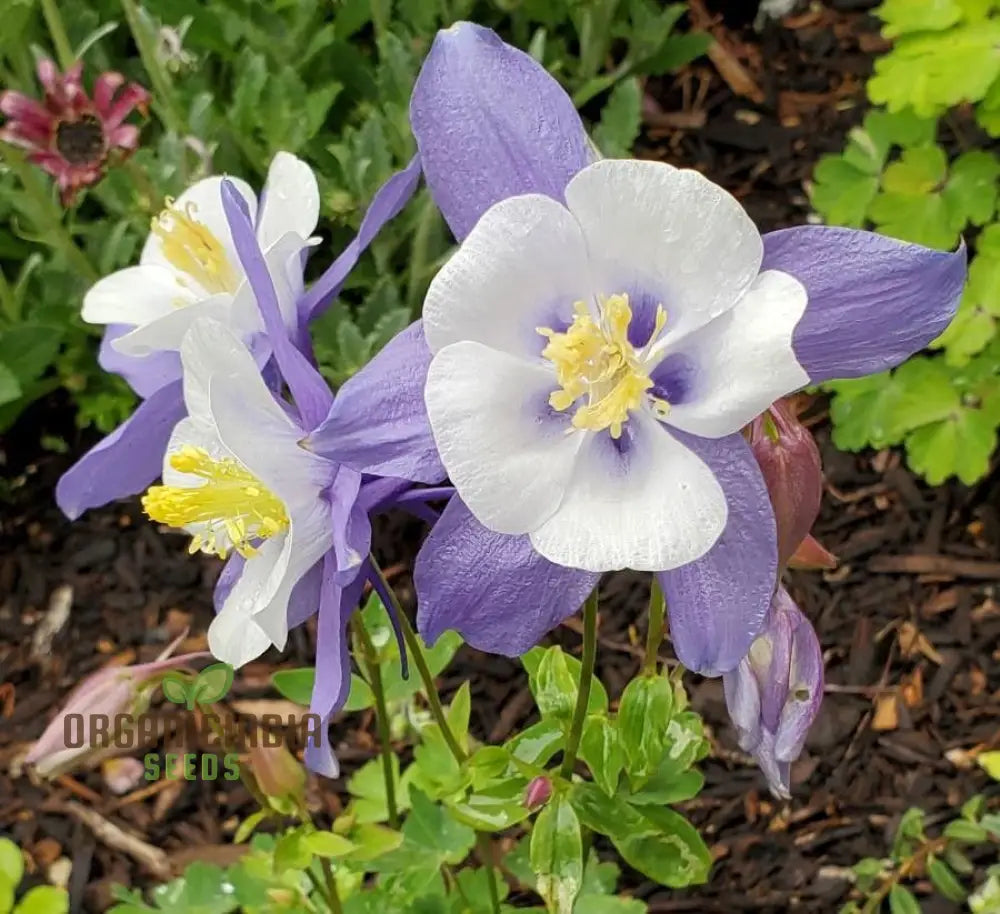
[(190, 431), (135, 295), (285, 265), (264, 438), (289, 201), (670, 236), (205, 199), (521, 267), (167, 331), (654, 507), (309, 537), (743, 360), (233, 635), (507, 453)]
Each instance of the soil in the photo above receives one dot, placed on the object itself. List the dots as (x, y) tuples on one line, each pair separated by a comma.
[(908, 620)]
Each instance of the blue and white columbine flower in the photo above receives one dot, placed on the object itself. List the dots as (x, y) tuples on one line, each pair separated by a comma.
[(599, 341), (189, 267)]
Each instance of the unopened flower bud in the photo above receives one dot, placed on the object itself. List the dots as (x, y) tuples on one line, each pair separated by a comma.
[(277, 772), (790, 462), (811, 555), (773, 696), (97, 706), (537, 793)]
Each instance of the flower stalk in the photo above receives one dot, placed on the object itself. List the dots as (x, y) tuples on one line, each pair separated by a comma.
[(374, 670), (654, 632), (57, 32), (586, 677), (437, 712)]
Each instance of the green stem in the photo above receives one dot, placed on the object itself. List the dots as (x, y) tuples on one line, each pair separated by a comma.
[(57, 31), (426, 677), (331, 885), (416, 653), (8, 300), (654, 633), (486, 857), (163, 89), (381, 717), (586, 677), (47, 215)]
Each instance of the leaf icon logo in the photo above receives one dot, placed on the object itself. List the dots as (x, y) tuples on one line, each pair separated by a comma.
[(210, 685)]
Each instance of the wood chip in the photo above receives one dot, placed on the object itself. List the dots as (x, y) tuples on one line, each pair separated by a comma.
[(117, 838), (935, 564), (886, 712)]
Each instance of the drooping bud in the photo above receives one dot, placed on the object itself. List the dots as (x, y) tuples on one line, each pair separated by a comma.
[(537, 793), (812, 555), (277, 772), (95, 711), (789, 459), (773, 696)]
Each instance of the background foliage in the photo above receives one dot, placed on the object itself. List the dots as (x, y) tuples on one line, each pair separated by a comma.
[(921, 168), (235, 81)]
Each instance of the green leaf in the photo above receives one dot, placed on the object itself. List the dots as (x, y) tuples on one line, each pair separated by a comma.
[(668, 791), (960, 445), (430, 827), (493, 808), (175, 688), (211, 684), (903, 16), (841, 193), (28, 349), (863, 412), (7, 889), (643, 716), (536, 745), (554, 687), (605, 904), (621, 120), (945, 881), (901, 901), (10, 388), (557, 855), (971, 191), (44, 899), (295, 685), (598, 699), (248, 825), (367, 786), (930, 72), (965, 831), (986, 899), (328, 844), (372, 841), (600, 749), (458, 715), (659, 843), (11, 862)]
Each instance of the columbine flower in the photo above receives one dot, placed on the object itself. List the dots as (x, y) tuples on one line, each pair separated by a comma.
[(236, 479), (71, 134), (599, 341), (790, 461), (189, 268), (774, 694), (111, 691), (128, 460)]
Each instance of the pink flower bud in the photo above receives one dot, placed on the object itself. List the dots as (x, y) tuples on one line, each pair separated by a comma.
[(95, 706), (790, 462), (537, 793), (812, 555), (277, 772)]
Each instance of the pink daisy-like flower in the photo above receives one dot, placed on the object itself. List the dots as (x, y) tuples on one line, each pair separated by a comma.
[(69, 133)]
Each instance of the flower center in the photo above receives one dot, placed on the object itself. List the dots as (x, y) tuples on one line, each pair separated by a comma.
[(598, 368), (192, 249), (232, 504), (81, 142)]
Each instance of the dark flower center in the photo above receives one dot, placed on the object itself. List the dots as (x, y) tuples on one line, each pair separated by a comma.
[(81, 142)]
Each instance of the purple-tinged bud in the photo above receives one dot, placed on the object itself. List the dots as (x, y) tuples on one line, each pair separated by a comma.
[(95, 711), (789, 459), (537, 793), (774, 694), (277, 772)]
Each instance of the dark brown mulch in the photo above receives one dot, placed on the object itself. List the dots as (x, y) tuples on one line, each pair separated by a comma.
[(908, 620)]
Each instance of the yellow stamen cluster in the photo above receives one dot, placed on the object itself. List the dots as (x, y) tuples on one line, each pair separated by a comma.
[(192, 249), (593, 358), (233, 504)]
